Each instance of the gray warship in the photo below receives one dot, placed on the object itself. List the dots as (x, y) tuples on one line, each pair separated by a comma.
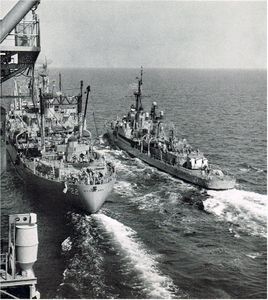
[(143, 135)]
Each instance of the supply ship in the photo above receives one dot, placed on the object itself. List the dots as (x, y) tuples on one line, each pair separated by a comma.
[(143, 135), (60, 158), (46, 136)]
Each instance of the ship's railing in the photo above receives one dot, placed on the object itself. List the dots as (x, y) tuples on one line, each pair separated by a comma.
[(162, 160), (208, 173), (78, 178), (47, 176), (90, 181), (4, 263), (31, 166), (25, 34)]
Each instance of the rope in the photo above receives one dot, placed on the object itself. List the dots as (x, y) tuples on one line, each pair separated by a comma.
[(8, 294), (54, 115), (61, 123), (94, 119), (24, 69)]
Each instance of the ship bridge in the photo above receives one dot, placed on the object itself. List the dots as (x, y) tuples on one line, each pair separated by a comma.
[(19, 40)]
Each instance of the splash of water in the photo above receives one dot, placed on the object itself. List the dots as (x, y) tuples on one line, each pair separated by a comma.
[(66, 245), (245, 209), (124, 188)]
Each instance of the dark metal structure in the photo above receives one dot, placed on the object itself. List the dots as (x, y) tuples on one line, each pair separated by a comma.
[(19, 39)]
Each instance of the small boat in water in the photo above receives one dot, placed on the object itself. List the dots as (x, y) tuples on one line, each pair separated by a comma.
[(143, 135), (60, 157)]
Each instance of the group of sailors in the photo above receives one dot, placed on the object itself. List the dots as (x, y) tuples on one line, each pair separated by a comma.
[(89, 176), (181, 147), (80, 158), (88, 157)]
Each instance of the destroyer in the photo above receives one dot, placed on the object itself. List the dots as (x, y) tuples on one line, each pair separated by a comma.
[(142, 135), (58, 158)]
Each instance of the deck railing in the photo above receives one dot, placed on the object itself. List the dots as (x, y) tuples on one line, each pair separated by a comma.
[(31, 166)]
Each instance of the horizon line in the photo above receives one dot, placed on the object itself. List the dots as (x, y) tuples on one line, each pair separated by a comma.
[(175, 68)]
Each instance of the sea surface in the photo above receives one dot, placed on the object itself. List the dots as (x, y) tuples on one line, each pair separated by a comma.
[(149, 240)]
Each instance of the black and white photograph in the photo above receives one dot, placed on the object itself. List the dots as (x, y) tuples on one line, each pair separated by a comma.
[(133, 149)]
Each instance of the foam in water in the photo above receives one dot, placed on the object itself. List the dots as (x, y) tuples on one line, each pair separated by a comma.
[(124, 187), (66, 245), (245, 168), (150, 202), (253, 255), (245, 209), (84, 272), (157, 285)]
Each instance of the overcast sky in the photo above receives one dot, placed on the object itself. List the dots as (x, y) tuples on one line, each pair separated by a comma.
[(192, 34)]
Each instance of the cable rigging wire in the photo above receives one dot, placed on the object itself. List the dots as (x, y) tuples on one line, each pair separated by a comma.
[(94, 119)]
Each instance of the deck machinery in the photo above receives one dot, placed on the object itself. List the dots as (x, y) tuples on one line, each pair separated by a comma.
[(17, 278)]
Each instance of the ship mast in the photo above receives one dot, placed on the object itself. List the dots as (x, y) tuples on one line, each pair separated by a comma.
[(60, 82), (85, 111), (137, 94), (79, 111), (42, 113)]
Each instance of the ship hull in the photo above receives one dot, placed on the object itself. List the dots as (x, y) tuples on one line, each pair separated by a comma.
[(192, 176), (87, 197)]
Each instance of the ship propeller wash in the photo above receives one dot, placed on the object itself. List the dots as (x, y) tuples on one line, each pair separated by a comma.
[(143, 135)]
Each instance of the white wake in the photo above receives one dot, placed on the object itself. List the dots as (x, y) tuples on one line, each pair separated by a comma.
[(246, 209), (157, 285)]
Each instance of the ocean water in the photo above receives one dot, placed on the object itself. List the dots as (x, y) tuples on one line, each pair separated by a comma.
[(147, 241)]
